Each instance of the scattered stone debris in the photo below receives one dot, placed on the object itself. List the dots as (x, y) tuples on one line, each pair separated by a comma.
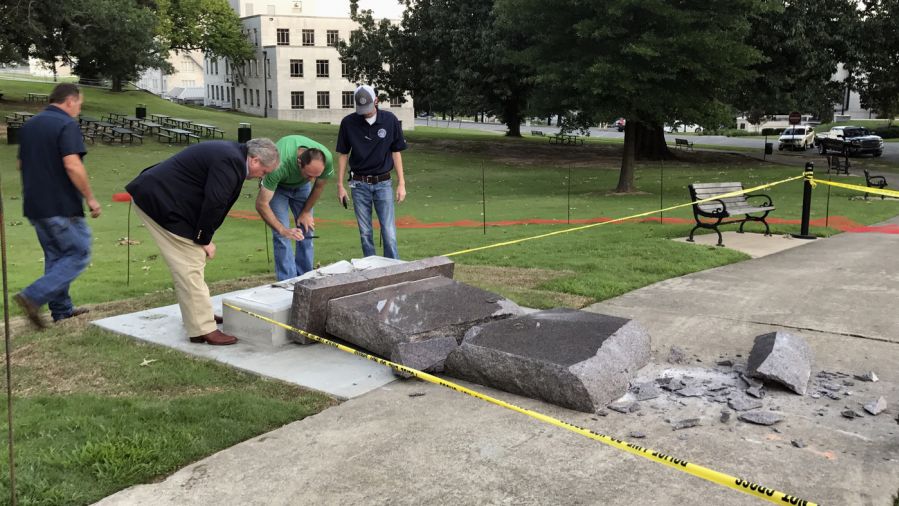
[(624, 407), (740, 402), (847, 383), (416, 394), (685, 424), (868, 376), (726, 362), (636, 434), (781, 357), (757, 392), (602, 412), (677, 355), (851, 413), (876, 407), (725, 416), (751, 382), (798, 443), (646, 391), (761, 417), (691, 391)]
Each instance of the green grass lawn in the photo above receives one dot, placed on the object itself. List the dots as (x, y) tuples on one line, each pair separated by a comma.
[(90, 419)]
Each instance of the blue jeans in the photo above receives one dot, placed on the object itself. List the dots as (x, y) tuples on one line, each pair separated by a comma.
[(285, 202), (67, 252), (381, 195)]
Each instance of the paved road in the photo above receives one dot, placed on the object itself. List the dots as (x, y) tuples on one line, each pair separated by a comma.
[(890, 154)]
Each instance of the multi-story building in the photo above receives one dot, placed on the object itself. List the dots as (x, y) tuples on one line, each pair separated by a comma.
[(297, 73), (188, 74)]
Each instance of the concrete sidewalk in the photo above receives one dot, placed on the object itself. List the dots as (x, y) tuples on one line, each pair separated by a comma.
[(414, 443)]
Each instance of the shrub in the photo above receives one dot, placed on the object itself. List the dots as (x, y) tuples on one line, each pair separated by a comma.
[(888, 132)]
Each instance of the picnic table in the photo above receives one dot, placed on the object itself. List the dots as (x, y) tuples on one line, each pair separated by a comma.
[(132, 120), (209, 131), (120, 134), (22, 115), (181, 123), (568, 139), (37, 97), (160, 118), (87, 120), (176, 135), (150, 126)]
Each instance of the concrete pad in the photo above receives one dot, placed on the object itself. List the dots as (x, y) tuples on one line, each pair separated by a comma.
[(571, 358), (311, 296), (417, 323), (754, 245), (320, 368)]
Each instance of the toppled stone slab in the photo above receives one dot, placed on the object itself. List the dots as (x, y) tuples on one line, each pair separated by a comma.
[(311, 295), (417, 323), (761, 417), (781, 357), (877, 406), (571, 358)]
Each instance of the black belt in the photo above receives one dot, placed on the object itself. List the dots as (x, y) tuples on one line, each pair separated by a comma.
[(371, 179)]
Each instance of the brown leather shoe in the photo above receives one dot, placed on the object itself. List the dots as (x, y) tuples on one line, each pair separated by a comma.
[(31, 310), (218, 319), (215, 338), (78, 311)]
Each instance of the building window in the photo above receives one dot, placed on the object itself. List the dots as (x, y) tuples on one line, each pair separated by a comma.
[(229, 94), (283, 37), (255, 37), (323, 99), (308, 37), (268, 68), (258, 102), (245, 95), (296, 68), (321, 68), (269, 99), (251, 97), (347, 99), (297, 100), (344, 70), (332, 37), (396, 101)]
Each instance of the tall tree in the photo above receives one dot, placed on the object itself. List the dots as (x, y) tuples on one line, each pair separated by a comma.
[(649, 61), (878, 67), (802, 44)]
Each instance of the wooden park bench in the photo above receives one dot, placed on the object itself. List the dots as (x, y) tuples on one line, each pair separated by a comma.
[(567, 139), (728, 207), (839, 164), (878, 182), (533, 132), (683, 143)]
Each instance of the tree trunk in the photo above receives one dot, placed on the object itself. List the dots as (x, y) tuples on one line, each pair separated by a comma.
[(512, 117), (626, 176), (116, 84), (650, 143)]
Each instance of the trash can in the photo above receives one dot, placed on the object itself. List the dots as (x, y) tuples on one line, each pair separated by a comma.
[(769, 148), (140, 111), (244, 133), (12, 134)]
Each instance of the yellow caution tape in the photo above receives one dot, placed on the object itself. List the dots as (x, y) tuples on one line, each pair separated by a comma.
[(631, 217), (753, 489), (865, 189)]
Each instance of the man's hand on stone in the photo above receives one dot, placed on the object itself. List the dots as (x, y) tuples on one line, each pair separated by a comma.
[(306, 222), (293, 234)]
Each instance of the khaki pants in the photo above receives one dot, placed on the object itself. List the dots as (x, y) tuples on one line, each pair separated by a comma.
[(187, 262)]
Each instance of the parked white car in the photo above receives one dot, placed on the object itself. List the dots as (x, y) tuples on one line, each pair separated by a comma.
[(797, 137)]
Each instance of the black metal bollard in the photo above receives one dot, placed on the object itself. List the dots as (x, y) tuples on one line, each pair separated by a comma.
[(140, 111), (806, 203), (244, 132)]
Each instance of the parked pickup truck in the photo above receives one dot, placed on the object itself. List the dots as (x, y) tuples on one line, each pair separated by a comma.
[(852, 140)]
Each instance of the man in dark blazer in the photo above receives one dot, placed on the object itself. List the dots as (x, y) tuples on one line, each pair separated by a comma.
[(182, 201)]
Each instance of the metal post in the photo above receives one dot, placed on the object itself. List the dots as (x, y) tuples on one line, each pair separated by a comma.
[(806, 203), (128, 242), (8, 345), (268, 257), (569, 194), (661, 191), (484, 197), (827, 211)]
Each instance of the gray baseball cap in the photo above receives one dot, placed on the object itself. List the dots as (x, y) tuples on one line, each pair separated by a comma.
[(365, 99)]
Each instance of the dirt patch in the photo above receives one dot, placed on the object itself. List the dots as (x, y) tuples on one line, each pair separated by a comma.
[(520, 284)]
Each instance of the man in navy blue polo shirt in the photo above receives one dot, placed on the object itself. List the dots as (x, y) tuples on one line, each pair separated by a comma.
[(54, 181), (372, 141)]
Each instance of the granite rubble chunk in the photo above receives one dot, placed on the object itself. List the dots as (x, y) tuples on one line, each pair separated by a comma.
[(761, 417), (740, 402), (685, 424), (781, 357), (868, 376), (876, 406)]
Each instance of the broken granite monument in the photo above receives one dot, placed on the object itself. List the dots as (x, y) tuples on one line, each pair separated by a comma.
[(415, 323), (572, 358), (781, 357), (310, 296)]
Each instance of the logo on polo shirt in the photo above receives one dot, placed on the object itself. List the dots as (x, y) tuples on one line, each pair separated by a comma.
[(382, 133)]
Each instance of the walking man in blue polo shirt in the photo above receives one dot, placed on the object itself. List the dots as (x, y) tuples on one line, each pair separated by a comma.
[(54, 181), (372, 141)]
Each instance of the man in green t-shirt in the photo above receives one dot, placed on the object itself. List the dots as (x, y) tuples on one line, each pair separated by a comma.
[(294, 188)]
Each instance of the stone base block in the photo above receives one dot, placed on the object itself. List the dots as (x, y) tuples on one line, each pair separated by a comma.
[(571, 358), (271, 302)]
